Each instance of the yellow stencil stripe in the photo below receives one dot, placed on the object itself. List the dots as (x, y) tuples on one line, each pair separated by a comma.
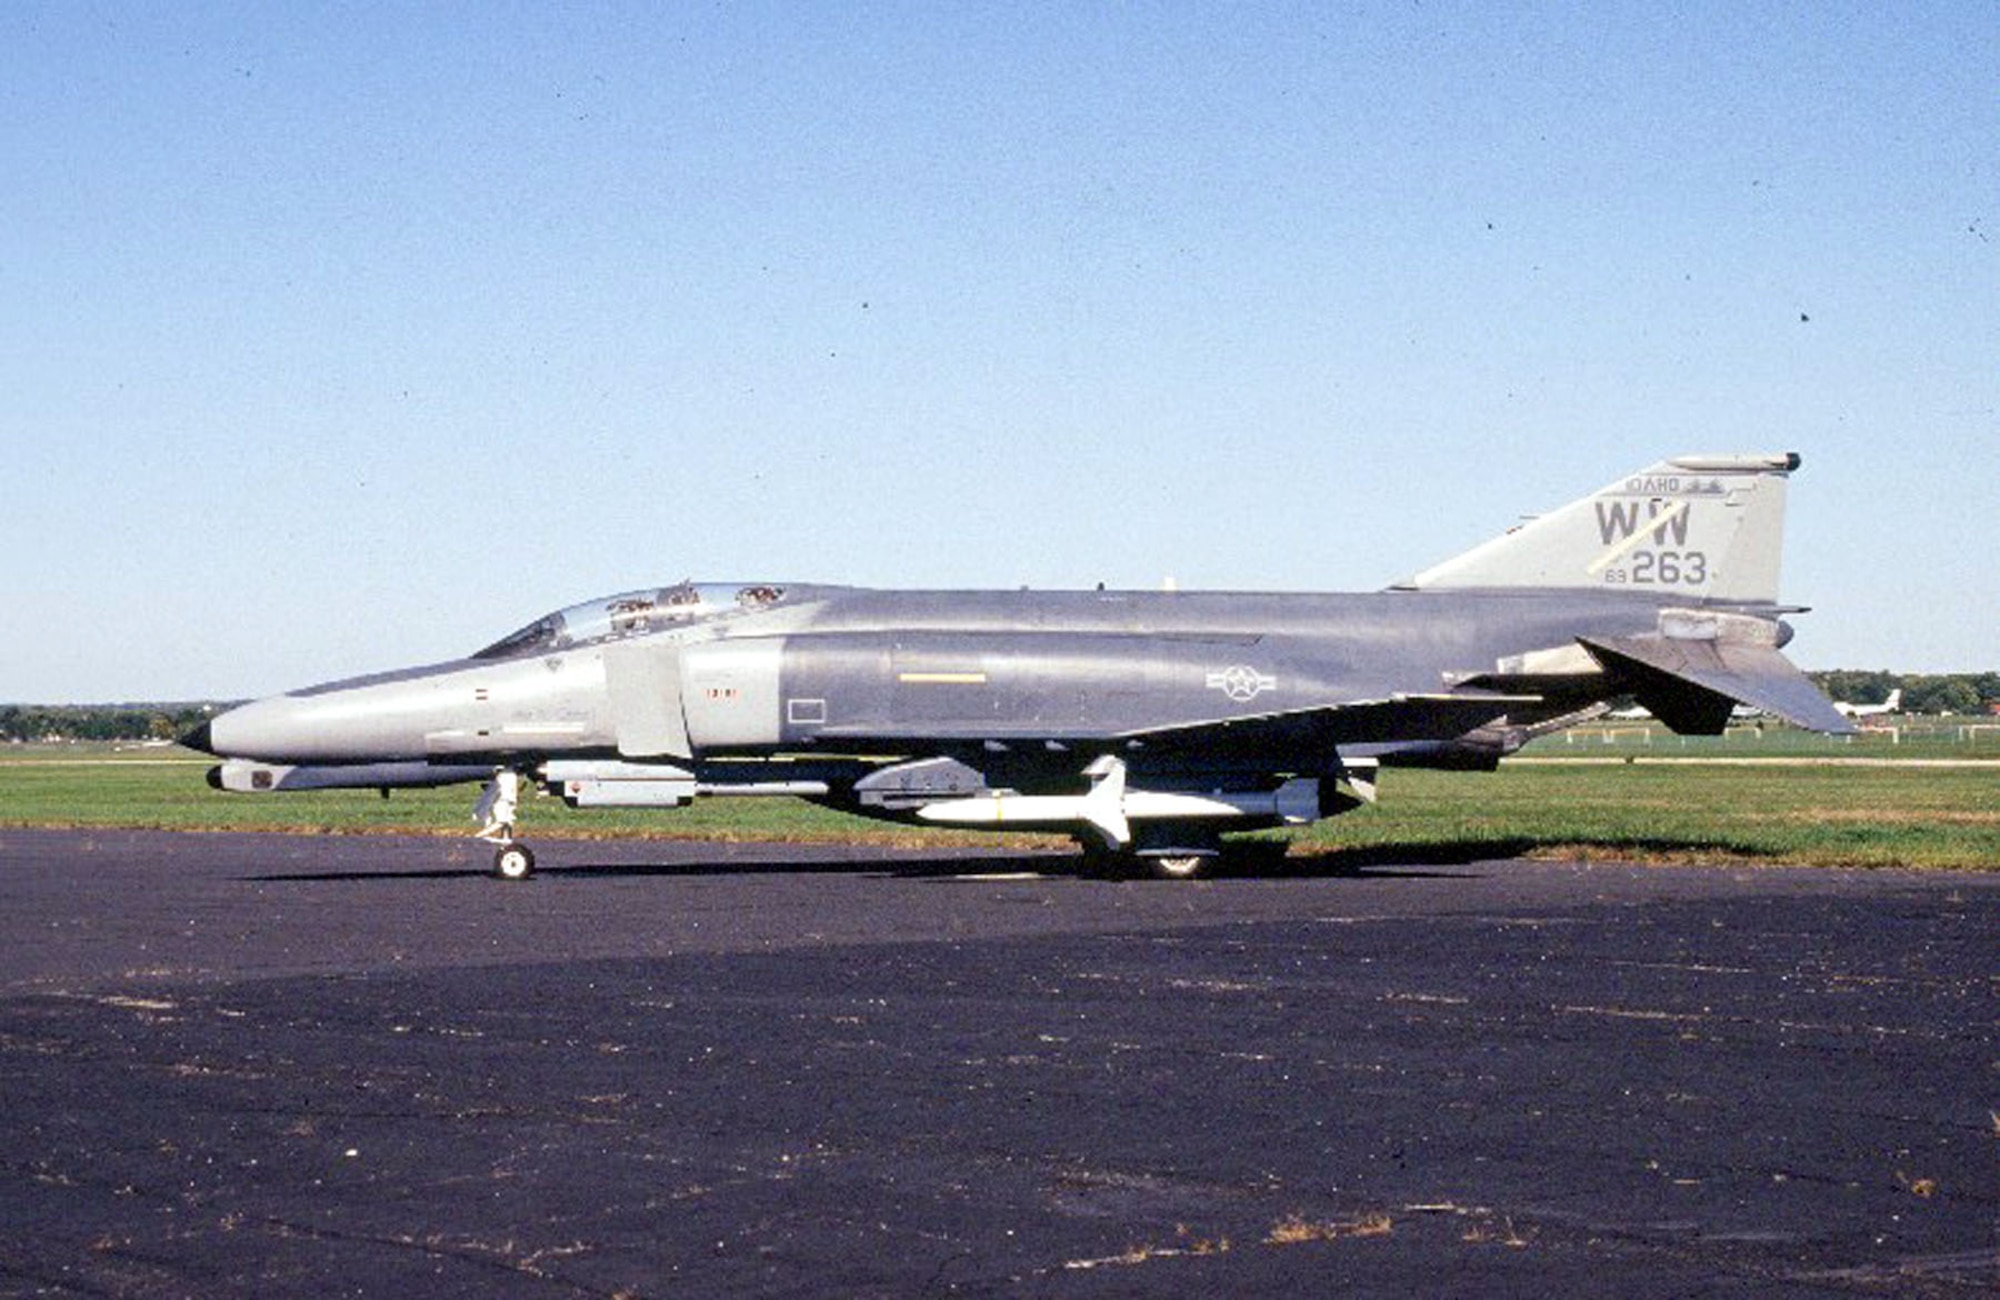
[(1638, 538)]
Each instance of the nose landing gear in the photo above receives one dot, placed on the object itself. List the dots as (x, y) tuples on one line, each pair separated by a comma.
[(498, 803)]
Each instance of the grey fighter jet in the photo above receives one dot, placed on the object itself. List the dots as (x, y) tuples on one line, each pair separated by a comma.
[(1143, 723)]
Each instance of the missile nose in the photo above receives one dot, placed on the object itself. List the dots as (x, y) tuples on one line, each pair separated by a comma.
[(200, 738)]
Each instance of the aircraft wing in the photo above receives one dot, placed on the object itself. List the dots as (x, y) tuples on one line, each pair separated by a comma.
[(1691, 685), (1396, 718), (1309, 730)]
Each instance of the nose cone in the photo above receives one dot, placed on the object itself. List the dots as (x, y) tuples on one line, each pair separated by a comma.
[(378, 719), (281, 729), (261, 729)]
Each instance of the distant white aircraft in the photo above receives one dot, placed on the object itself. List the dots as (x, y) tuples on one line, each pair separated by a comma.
[(1891, 705)]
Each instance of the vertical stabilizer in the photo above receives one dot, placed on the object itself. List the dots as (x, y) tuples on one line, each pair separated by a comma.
[(1697, 527)]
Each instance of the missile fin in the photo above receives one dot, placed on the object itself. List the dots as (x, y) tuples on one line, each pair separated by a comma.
[(1104, 806)]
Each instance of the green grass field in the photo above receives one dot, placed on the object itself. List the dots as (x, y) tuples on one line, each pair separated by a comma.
[(1801, 800)]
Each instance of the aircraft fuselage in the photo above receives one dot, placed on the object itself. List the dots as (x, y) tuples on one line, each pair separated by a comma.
[(1139, 721), (830, 670)]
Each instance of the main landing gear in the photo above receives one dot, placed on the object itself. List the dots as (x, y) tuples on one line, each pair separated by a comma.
[(1180, 866), (498, 804), (1164, 852)]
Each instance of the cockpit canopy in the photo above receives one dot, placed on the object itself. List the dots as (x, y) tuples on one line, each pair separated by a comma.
[(634, 613)]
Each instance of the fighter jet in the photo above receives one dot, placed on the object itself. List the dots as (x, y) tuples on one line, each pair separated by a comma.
[(1145, 724)]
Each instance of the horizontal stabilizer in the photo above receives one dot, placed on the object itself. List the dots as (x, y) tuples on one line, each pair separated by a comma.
[(1691, 685)]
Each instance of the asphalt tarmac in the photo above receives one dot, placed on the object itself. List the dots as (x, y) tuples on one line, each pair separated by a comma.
[(274, 1066)]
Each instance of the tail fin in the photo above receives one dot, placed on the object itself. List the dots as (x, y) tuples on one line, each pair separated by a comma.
[(1698, 527)]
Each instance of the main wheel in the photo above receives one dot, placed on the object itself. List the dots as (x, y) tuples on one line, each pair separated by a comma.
[(514, 862), (1179, 866)]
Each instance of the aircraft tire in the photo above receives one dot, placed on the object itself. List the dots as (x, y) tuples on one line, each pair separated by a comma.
[(513, 862), (1179, 866)]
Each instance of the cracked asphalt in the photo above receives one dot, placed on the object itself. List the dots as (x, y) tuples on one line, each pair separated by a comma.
[(240, 1065)]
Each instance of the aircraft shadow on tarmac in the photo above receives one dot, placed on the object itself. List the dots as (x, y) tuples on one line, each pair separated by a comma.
[(1257, 861), (1249, 862)]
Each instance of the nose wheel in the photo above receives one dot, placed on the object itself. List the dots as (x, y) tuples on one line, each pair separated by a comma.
[(513, 862), (497, 805)]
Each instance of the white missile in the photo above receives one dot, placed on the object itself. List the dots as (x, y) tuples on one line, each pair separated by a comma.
[(1110, 806)]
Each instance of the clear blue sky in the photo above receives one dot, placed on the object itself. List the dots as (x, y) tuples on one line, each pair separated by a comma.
[(339, 338)]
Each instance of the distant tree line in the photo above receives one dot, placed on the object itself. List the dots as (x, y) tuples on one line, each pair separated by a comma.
[(1940, 693), (25, 722)]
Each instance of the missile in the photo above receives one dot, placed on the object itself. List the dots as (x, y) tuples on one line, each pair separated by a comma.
[(1110, 807)]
